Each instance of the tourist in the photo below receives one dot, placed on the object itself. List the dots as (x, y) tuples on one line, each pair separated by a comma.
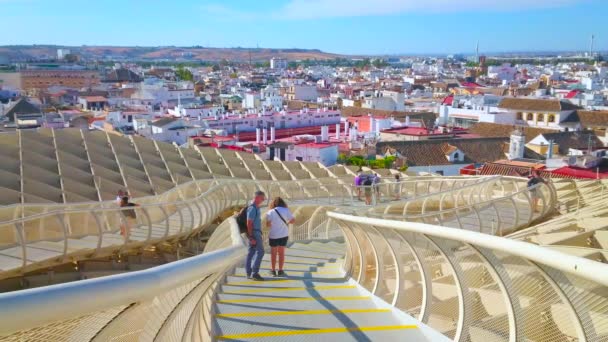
[(254, 233), (397, 187), (358, 183), (119, 196), (278, 219), (534, 181), (376, 182), (368, 185), (130, 216)]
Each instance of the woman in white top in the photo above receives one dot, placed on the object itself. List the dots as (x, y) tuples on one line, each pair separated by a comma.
[(278, 219)]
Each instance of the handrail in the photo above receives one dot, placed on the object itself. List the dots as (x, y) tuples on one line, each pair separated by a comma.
[(581, 267), (482, 181), (38, 306), (438, 212), (203, 181), (154, 204)]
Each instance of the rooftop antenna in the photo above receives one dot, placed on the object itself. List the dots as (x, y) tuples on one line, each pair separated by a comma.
[(477, 51), (591, 49)]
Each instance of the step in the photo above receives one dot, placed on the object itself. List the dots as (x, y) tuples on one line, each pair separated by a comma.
[(337, 325)]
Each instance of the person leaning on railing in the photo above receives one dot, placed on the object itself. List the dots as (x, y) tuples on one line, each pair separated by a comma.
[(397, 187), (534, 184), (129, 214)]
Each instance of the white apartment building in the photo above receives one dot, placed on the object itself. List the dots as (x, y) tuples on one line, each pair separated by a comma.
[(249, 122), (320, 152), (251, 100), (160, 94), (278, 63), (197, 112), (464, 111), (271, 98), (542, 113), (385, 100), (303, 92), (61, 53), (503, 72)]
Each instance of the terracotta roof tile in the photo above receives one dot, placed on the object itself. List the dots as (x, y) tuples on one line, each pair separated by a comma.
[(488, 130), (593, 119), (534, 105), (431, 152)]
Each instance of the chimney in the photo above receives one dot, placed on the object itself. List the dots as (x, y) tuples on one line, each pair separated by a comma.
[(347, 128), (324, 133), (265, 135), (550, 150)]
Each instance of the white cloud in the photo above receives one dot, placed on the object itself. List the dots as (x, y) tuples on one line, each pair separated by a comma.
[(312, 9)]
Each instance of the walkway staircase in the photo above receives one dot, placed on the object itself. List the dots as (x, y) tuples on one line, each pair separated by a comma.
[(316, 302)]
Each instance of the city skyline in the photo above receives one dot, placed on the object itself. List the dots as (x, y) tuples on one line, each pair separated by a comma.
[(385, 27)]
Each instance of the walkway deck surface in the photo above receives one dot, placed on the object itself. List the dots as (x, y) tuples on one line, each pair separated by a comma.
[(316, 302)]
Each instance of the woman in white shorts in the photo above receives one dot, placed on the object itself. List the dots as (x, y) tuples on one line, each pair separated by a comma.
[(278, 220)]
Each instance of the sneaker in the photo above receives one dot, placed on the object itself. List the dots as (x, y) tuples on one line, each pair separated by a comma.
[(281, 273), (257, 277), (249, 276), (273, 273)]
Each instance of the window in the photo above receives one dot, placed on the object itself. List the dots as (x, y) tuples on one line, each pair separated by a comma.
[(530, 117), (456, 156), (551, 118), (520, 116), (540, 117)]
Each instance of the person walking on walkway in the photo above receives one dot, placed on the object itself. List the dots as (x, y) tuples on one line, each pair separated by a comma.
[(278, 219), (358, 183), (254, 233), (376, 181)]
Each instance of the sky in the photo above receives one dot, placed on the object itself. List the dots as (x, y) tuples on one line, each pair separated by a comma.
[(340, 26)]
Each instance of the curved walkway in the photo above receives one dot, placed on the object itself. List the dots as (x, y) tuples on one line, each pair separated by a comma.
[(315, 302)]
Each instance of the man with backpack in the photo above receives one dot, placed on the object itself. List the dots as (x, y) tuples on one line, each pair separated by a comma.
[(249, 219)]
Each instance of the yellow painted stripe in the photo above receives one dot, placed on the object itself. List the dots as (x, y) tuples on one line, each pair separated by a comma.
[(311, 264), (290, 299), (314, 332), (277, 289), (270, 281), (266, 265), (304, 312), (317, 250), (308, 257), (332, 273)]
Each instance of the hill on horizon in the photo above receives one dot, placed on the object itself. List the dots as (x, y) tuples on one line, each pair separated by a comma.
[(194, 53)]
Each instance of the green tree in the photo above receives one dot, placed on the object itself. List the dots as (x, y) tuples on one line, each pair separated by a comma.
[(184, 74), (380, 63)]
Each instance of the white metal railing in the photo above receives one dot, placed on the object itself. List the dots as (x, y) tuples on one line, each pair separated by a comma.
[(179, 308), (121, 296), (472, 286)]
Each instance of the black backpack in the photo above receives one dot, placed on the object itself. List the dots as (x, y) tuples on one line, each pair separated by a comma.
[(241, 219), (130, 212), (368, 181)]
